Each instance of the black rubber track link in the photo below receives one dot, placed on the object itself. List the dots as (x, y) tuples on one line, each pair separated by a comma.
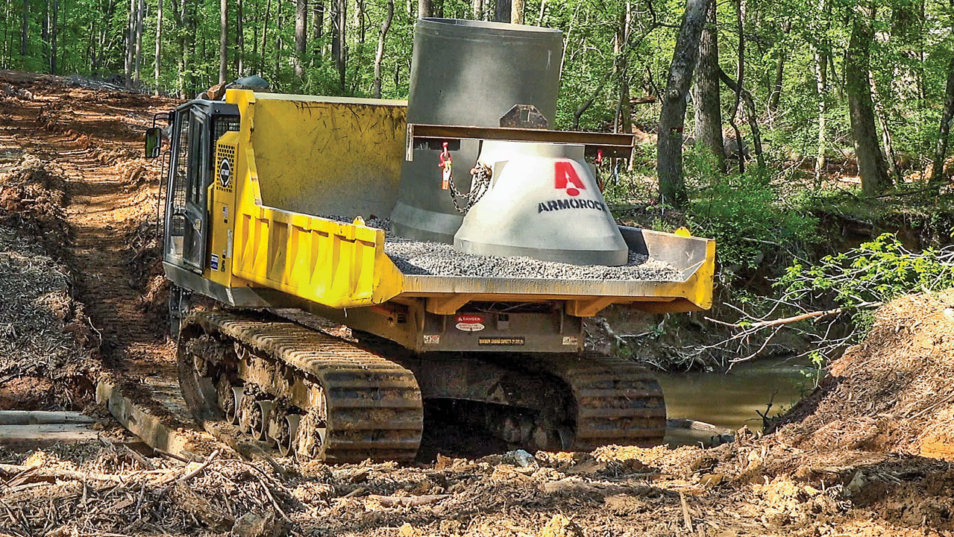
[(374, 407), (615, 401)]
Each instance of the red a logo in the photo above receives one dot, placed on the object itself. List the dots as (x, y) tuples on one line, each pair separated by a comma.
[(566, 177)]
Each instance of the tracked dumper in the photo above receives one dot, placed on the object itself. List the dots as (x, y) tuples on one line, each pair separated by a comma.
[(299, 214)]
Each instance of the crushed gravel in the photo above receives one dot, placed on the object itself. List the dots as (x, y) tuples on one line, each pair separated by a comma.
[(439, 259)]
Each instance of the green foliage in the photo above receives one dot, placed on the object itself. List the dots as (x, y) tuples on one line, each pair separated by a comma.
[(872, 274), (744, 215)]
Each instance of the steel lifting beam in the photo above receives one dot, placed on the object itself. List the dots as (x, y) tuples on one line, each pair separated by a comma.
[(433, 136)]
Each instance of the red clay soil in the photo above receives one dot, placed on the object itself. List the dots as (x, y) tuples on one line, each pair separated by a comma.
[(848, 462), (894, 392)]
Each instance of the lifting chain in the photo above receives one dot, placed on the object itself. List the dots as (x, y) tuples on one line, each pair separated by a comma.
[(479, 184)]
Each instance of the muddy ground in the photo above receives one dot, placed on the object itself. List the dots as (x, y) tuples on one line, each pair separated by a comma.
[(856, 458)]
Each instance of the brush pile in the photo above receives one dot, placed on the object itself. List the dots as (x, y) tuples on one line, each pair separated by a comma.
[(44, 334), (32, 197), (117, 490)]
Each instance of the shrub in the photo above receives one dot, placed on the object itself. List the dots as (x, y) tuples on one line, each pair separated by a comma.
[(749, 223)]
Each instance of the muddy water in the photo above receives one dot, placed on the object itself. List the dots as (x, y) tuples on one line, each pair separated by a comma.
[(730, 400)]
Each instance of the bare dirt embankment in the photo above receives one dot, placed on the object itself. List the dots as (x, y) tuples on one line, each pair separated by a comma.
[(849, 461)]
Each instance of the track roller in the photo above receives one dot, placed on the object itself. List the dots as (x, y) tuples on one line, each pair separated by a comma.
[(312, 394), (234, 414), (263, 412), (288, 434)]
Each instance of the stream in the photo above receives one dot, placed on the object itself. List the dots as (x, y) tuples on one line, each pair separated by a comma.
[(730, 400)]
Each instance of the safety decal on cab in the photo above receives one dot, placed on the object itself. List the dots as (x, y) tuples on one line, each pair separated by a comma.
[(214, 262), (225, 173), (469, 322)]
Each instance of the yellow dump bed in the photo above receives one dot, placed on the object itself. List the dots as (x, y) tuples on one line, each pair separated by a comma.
[(272, 244)]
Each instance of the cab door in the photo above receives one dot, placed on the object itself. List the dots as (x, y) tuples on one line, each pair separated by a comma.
[(196, 206), (186, 214)]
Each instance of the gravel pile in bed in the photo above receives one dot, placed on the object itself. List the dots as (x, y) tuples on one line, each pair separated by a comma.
[(439, 259)]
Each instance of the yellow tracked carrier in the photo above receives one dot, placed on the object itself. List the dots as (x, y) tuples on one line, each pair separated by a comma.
[(277, 208)]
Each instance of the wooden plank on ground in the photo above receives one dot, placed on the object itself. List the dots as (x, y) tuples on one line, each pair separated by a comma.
[(37, 417), (46, 433), (153, 427)]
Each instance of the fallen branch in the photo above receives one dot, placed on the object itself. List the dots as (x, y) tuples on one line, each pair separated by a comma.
[(47, 474), (408, 501), (816, 315), (201, 467), (686, 517)]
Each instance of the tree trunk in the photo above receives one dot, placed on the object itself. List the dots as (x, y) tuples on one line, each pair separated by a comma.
[(223, 41), (821, 84), (301, 36), (280, 41), (359, 19), (623, 36), (379, 57), (261, 62), (478, 10), (776, 95), (750, 116), (333, 22), (318, 23), (45, 32), (944, 131), (180, 12), (54, 29), (341, 58), (871, 165), (137, 62), (158, 61), (672, 185), (240, 39), (24, 27), (130, 44), (891, 159), (516, 11), (705, 91), (502, 11), (424, 9), (740, 63)]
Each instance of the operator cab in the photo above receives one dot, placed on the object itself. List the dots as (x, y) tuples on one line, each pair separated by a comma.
[(188, 171)]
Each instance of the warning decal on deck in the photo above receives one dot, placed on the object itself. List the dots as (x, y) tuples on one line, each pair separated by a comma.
[(500, 341), (469, 322)]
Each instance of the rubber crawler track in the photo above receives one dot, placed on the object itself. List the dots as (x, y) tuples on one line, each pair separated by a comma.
[(374, 405), (615, 401)]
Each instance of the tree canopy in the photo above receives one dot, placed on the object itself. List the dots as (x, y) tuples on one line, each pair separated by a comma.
[(799, 80)]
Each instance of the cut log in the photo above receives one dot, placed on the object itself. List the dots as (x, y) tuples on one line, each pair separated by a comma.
[(693, 425)]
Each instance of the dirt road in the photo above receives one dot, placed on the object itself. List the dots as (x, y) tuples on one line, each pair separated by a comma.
[(778, 485)]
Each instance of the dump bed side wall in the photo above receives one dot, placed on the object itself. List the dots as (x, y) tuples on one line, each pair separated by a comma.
[(332, 263), (325, 157)]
